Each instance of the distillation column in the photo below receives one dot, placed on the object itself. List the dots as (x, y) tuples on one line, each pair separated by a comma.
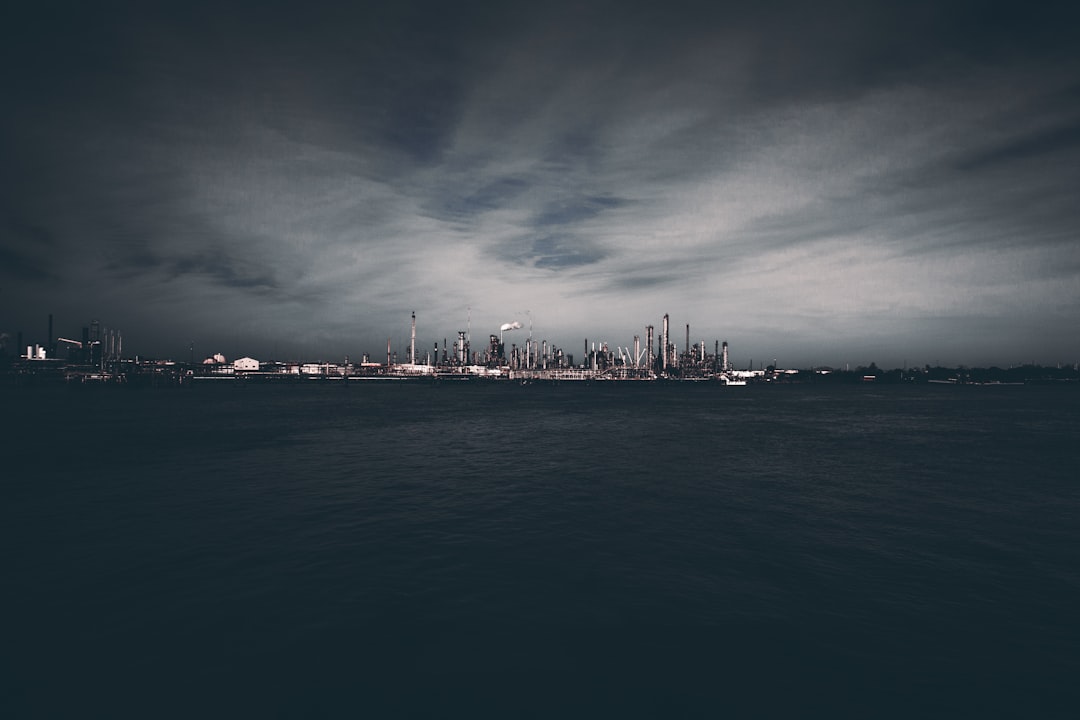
[(649, 343), (664, 340)]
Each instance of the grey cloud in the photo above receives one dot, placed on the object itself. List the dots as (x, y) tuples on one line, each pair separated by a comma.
[(133, 264), (29, 251), (489, 196), (576, 146), (1053, 141), (215, 265), (15, 264), (555, 251), (223, 270), (36, 235), (823, 220), (574, 210), (644, 281)]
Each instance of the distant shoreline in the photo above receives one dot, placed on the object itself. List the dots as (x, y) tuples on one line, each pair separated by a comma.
[(155, 373)]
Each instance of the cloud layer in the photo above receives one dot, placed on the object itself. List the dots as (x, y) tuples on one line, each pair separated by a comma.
[(819, 185)]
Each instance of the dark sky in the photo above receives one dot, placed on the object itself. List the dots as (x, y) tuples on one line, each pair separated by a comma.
[(820, 182)]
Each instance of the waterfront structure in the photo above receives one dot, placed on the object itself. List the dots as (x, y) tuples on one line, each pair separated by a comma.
[(666, 349), (100, 354)]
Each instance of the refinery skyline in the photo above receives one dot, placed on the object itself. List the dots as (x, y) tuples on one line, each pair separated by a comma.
[(824, 184), (513, 343)]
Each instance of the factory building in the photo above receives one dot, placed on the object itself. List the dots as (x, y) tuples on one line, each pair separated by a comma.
[(246, 364), (100, 351)]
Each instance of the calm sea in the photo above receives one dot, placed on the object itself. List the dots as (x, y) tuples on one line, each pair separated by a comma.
[(391, 549)]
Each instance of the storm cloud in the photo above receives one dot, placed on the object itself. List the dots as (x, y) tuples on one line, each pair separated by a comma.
[(818, 183)]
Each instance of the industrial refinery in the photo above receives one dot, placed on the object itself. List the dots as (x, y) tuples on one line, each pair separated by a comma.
[(97, 358), (653, 355)]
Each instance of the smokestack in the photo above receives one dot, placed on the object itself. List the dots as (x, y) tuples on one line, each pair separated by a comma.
[(649, 336), (664, 349), (412, 345), (687, 346), (508, 326)]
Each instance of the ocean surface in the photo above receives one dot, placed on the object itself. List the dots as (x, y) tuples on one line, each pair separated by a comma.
[(399, 549)]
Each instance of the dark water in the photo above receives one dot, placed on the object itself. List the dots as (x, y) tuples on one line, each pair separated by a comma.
[(401, 550)]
